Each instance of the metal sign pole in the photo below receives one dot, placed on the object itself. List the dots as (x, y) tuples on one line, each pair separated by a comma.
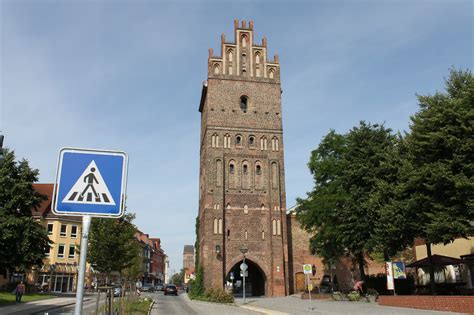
[(86, 223), (309, 292)]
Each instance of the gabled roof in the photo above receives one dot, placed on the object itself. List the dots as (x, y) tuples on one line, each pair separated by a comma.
[(45, 206)]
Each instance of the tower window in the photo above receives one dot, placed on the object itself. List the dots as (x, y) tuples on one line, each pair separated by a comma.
[(258, 170), (244, 100), (231, 168), (257, 57), (251, 140), (246, 209), (245, 170), (238, 140), (230, 55)]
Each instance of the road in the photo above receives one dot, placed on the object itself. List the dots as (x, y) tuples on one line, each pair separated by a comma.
[(88, 307)]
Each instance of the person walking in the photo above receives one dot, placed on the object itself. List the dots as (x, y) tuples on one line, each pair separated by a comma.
[(20, 291)]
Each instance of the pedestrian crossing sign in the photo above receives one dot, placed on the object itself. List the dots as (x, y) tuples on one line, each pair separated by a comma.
[(90, 182)]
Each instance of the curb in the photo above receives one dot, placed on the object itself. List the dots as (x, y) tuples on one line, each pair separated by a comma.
[(151, 306), (264, 311)]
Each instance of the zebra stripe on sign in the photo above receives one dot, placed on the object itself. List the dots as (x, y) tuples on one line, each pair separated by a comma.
[(90, 188)]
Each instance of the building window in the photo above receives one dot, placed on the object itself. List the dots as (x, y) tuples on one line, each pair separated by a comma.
[(215, 141), (216, 68), (50, 228), (63, 230), (275, 146), (246, 235), (244, 40), (218, 173), (220, 226), (61, 251), (257, 57), (228, 233), (245, 169), (216, 229), (74, 231), (258, 170), (246, 209), (72, 251), (263, 235), (278, 227), (238, 140), (226, 141), (231, 168), (244, 58), (251, 141), (230, 55), (274, 175), (274, 227), (271, 73), (262, 207), (244, 102), (48, 251)]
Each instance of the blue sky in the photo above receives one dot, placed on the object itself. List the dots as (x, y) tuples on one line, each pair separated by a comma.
[(127, 75)]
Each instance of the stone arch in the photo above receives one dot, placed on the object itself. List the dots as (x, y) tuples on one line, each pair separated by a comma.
[(257, 284)]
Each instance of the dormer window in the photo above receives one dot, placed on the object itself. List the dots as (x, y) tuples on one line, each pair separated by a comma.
[(244, 100)]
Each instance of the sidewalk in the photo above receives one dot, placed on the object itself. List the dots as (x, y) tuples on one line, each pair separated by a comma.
[(37, 306), (295, 305)]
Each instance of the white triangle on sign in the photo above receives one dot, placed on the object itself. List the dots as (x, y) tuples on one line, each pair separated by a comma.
[(90, 188)]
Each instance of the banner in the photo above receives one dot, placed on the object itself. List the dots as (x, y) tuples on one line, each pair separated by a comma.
[(389, 272)]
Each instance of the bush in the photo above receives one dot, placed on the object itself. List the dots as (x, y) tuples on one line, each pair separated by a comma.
[(353, 296), (337, 296), (218, 296)]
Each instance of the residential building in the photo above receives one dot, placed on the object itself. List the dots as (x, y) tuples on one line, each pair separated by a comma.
[(188, 262)]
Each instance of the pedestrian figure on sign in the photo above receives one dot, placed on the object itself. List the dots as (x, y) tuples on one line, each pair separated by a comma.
[(20, 291), (90, 179)]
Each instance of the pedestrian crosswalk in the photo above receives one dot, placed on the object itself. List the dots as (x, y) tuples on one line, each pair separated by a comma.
[(89, 197)]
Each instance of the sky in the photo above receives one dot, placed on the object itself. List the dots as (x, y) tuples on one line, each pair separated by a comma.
[(127, 75)]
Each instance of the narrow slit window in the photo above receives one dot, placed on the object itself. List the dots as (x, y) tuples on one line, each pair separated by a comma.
[(244, 100)]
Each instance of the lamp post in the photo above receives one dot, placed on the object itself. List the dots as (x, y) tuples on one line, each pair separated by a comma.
[(244, 249)]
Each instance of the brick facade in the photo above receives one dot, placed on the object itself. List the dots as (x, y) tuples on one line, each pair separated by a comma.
[(462, 304)]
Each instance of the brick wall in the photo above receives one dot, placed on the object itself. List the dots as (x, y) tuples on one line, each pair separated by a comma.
[(463, 304)]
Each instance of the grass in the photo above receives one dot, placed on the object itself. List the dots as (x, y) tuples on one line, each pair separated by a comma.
[(132, 306), (9, 298)]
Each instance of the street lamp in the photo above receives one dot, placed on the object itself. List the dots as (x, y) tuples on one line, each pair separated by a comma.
[(218, 250), (244, 249)]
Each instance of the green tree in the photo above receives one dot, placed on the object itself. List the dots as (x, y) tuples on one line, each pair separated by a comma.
[(354, 202), (23, 241), (112, 244), (441, 147), (178, 278)]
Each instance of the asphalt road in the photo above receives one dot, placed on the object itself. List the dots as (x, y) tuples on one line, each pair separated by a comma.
[(170, 304), (88, 307)]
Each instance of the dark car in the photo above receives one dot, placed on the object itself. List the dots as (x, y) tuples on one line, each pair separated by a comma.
[(147, 288), (171, 289)]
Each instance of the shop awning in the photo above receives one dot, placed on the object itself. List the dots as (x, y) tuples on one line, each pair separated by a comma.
[(438, 260)]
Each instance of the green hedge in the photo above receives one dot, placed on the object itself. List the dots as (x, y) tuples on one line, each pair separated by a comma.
[(214, 295)]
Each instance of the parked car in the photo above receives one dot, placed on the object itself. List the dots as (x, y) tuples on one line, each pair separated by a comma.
[(147, 288), (117, 291), (171, 289), (159, 287)]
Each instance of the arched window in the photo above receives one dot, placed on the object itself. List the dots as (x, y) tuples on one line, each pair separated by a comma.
[(230, 54), (274, 227), (246, 235), (263, 143), (244, 58), (278, 224), (216, 68), (244, 40), (238, 140), (251, 141), (271, 73), (245, 169), (258, 177), (263, 235), (275, 144), (257, 57), (245, 175), (244, 102), (246, 209), (215, 141), (228, 233), (218, 173), (262, 207), (220, 226), (216, 230), (231, 168), (232, 178), (227, 141)]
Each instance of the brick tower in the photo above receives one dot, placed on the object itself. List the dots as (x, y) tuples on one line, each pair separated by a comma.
[(242, 183)]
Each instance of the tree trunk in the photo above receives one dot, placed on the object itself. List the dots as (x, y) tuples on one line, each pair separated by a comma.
[(432, 275), (360, 262)]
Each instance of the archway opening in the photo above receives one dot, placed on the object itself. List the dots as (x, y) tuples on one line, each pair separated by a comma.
[(254, 282)]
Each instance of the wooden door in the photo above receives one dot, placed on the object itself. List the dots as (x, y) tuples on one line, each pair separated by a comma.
[(300, 282)]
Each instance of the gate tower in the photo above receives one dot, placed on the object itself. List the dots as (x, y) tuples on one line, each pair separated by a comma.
[(242, 183)]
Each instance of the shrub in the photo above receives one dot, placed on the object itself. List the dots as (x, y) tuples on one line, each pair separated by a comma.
[(353, 296), (218, 296), (337, 296)]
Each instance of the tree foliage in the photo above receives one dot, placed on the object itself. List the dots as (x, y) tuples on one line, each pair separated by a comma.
[(23, 241), (112, 244), (354, 202), (441, 146)]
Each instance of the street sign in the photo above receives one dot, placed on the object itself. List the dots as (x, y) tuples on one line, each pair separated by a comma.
[(90, 182), (307, 269), (399, 270), (231, 276), (243, 266), (244, 274)]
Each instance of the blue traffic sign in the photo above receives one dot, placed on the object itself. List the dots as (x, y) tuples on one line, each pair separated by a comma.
[(90, 182)]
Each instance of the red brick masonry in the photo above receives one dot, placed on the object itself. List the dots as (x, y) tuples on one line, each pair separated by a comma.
[(462, 304)]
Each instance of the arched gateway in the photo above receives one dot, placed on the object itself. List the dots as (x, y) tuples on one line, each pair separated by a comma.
[(255, 283)]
